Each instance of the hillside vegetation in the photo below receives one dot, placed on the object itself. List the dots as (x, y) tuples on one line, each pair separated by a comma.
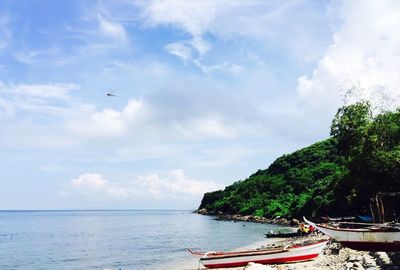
[(335, 177)]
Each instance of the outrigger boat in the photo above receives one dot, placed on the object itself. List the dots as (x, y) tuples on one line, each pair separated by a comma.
[(293, 253), (363, 236), (279, 234)]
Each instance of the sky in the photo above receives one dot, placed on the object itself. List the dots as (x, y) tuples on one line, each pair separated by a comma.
[(206, 93)]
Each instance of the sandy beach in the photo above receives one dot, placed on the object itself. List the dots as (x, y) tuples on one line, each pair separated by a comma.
[(333, 257)]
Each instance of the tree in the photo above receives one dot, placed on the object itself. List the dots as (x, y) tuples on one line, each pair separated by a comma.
[(371, 145), (350, 126)]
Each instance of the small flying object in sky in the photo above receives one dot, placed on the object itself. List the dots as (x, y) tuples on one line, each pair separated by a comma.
[(111, 93)]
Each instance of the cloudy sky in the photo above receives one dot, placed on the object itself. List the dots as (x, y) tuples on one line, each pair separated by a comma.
[(207, 92)]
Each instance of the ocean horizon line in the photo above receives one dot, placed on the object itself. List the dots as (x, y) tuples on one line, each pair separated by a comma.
[(90, 210)]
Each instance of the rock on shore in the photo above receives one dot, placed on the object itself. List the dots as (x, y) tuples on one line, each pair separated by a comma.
[(349, 259)]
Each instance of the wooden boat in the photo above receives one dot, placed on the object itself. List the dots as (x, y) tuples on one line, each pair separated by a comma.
[(294, 253), (282, 234), (363, 236), (221, 253)]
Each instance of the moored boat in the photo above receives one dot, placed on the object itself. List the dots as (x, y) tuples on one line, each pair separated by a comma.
[(363, 236), (281, 234), (294, 253)]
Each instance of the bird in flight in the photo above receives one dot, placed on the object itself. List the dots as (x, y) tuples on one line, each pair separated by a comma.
[(111, 93)]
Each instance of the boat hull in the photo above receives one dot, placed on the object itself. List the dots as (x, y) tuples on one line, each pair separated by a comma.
[(282, 235), (362, 239), (294, 254), (369, 246)]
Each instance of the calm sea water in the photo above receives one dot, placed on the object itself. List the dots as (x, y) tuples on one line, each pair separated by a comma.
[(126, 240)]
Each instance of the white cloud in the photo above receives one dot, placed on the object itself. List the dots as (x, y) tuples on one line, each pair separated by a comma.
[(44, 91), (200, 45), (93, 183), (365, 52), (208, 126), (194, 17), (225, 20), (106, 122), (191, 50), (175, 185), (141, 119), (90, 122), (194, 50), (54, 55), (224, 67), (53, 117), (89, 180), (36, 98), (94, 33), (112, 29), (180, 49), (32, 115)]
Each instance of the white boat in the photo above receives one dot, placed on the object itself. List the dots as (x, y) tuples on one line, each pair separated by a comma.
[(294, 253), (363, 236)]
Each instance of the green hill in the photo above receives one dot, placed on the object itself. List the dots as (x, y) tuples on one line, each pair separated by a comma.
[(335, 177)]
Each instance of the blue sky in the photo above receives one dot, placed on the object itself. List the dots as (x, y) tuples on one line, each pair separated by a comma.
[(207, 92)]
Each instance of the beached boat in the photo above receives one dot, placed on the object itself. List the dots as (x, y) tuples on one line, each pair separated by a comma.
[(201, 254), (280, 234), (363, 236), (294, 253)]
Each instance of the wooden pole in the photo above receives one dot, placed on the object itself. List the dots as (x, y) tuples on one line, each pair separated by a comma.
[(373, 211), (381, 209)]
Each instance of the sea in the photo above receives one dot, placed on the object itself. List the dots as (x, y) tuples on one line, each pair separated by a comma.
[(117, 240)]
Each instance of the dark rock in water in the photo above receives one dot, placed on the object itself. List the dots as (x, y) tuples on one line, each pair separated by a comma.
[(202, 211)]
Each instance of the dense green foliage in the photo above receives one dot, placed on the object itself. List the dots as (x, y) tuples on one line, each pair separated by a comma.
[(336, 176)]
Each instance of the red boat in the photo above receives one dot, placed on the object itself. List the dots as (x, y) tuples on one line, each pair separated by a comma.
[(294, 253)]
